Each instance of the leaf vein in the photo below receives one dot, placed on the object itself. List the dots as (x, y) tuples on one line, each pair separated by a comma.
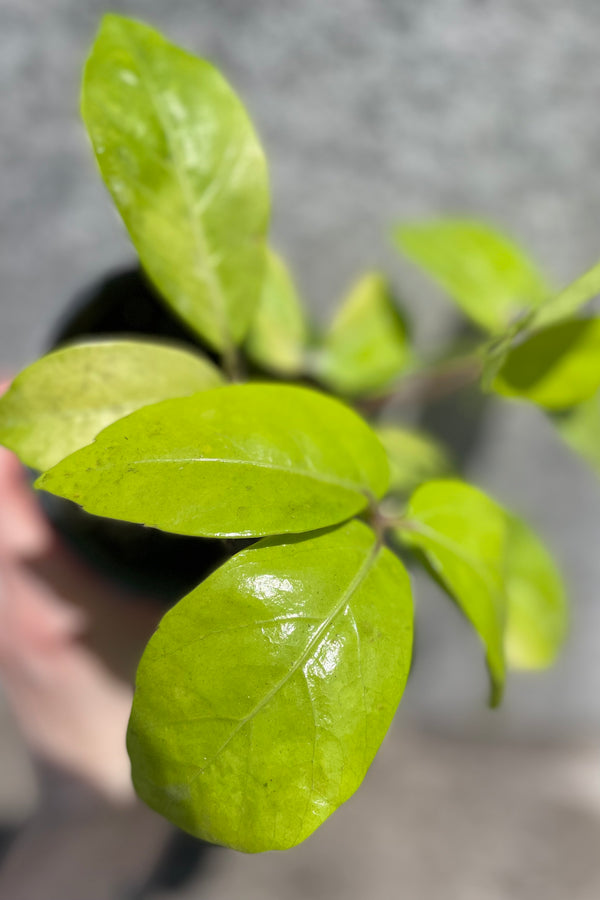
[(322, 477), (214, 285), (314, 642), (458, 551), (233, 628)]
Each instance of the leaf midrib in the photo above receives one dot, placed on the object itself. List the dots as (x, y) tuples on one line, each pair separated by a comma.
[(216, 291), (448, 544), (496, 667), (321, 477), (359, 577)]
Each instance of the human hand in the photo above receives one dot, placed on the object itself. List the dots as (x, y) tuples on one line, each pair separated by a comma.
[(69, 644)]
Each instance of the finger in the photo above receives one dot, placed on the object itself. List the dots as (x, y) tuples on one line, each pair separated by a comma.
[(24, 531)]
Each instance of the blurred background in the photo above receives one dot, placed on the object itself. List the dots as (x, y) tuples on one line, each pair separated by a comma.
[(371, 111)]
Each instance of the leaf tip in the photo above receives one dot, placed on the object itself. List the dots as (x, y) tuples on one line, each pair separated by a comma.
[(496, 693)]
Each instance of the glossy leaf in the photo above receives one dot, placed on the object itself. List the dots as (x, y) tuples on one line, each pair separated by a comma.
[(537, 608), (488, 275), (278, 334), (462, 534), (570, 300), (414, 457), (186, 171), (367, 344), (63, 400), (239, 461), (554, 368), (266, 692), (579, 427)]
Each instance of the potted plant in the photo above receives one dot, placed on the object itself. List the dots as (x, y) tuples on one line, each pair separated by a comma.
[(266, 691)]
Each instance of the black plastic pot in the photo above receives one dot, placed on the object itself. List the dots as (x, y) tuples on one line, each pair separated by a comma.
[(149, 562)]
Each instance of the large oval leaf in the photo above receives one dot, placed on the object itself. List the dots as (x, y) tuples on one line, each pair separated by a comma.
[(488, 276), (537, 621), (186, 171), (63, 400), (278, 333), (462, 534), (243, 460), (556, 367), (266, 692), (367, 344)]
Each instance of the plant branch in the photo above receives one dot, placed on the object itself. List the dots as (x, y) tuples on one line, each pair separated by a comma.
[(231, 363), (427, 385)]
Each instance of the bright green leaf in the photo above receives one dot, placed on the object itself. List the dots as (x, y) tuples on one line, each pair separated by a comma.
[(266, 692), (488, 276), (462, 534), (556, 367), (537, 608), (579, 427), (278, 334), (186, 171), (237, 461), (414, 457), (570, 299), (367, 344), (63, 400)]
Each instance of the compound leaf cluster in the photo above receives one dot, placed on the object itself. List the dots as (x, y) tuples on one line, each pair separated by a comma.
[(265, 693)]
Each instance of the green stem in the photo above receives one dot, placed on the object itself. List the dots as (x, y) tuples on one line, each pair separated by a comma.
[(231, 363)]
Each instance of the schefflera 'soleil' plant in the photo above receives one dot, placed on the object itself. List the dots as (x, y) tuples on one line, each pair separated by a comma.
[(263, 696)]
